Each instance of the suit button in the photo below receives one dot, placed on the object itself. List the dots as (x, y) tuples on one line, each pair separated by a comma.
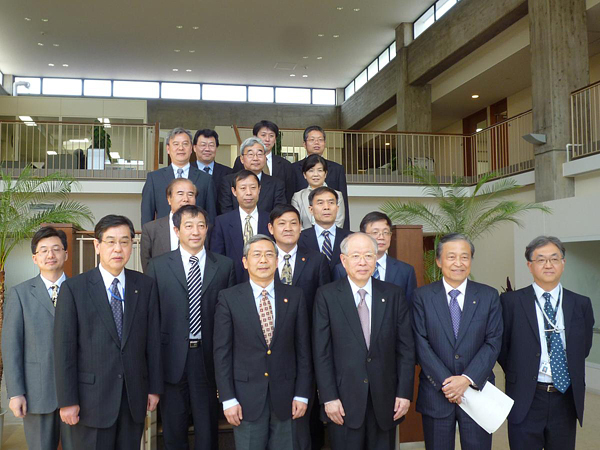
[(266, 374), (534, 378), (122, 352), (120, 376), (538, 354), (186, 338), (365, 380), (368, 359), (268, 352), (456, 356)]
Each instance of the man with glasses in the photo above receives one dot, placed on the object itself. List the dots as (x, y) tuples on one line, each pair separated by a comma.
[(27, 349), (206, 143), (547, 336), (179, 149), (253, 158), (379, 227), (107, 345), (364, 352)]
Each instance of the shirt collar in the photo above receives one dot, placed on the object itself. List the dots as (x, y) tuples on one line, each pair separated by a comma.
[(383, 261), (185, 168), (367, 287), (185, 255), (554, 292), (257, 290), (282, 253), (260, 174), (319, 229), (202, 166), (49, 283), (462, 288), (253, 214), (108, 278)]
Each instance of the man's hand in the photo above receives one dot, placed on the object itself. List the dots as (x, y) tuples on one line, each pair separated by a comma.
[(335, 411), (455, 387), (234, 415), (18, 405), (70, 414), (152, 402), (298, 409), (401, 407)]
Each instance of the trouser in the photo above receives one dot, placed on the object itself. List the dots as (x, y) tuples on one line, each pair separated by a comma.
[(43, 431), (440, 434)]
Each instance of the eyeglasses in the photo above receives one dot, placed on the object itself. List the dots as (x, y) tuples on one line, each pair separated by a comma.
[(253, 155), (210, 146), (356, 257), (315, 140), (124, 243), (185, 144), (44, 251), (555, 261), (376, 234), (259, 255)]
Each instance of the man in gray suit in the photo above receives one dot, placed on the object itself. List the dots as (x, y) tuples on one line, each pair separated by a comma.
[(158, 236), (27, 344)]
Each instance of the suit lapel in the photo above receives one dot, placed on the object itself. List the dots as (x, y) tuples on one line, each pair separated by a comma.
[(567, 307), (40, 293), (281, 309), (194, 173), (177, 268), (528, 304), (378, 306), (310, 239), (469, 306), (391, 270), (164, 234), (168, 174), (237, 234), (246, 296), (266, 193), (131, 299), (263, 221), (210, 269), (440, 304), (346, 301), (98, 296), (299, 265)]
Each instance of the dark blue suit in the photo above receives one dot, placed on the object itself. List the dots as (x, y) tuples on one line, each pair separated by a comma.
[(217, 174), (308, 239), (441, 355)]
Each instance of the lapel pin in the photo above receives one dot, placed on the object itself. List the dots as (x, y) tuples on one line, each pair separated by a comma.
[(383, 300), (303, 259), (474, 302), (136, 291), (285, 300)]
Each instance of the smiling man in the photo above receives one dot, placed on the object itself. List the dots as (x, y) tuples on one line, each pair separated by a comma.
[(206, 144)]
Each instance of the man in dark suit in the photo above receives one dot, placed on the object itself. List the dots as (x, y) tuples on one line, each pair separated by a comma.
[(276, 166), (263, 361), (189, 280), (364, 352), (106, 345), (232, 230), (379, 226), (206, 144), (308, 270), (458, 332), (27, 349), (324, 236), (158, 236), (314, 143), (154, 200), (272, 190), (547, 336)]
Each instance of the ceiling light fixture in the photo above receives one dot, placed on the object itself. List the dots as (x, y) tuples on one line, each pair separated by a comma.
[(192, 51), (475, 96), (304, 76), (336, 35), (26, 118), (44, 20), (320, 35), (51, 65), (319, 57), (27, 19), (65, 65), (51, 153), (356, 9), (387, 143), (179, 27), (292, 75), (176, 51), (196, 28), (175, 70), (188, 70), (40, 44), (339, 8), (305, 57), (55, 45)]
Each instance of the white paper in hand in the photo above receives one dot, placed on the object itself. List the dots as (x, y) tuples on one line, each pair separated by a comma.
[(489, 407)]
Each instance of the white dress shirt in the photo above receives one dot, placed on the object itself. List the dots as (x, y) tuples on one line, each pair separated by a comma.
[(108, 279), (281, 260), (253, 219), (173, 239), (210, 166), (185, 258), (49, 283), (368, 297), (321, 239), (381, 266), (270, 162), (560, 324), (186, 170)]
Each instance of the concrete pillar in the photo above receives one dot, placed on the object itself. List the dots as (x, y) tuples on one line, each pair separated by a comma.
[(559, 65), (413, 103)]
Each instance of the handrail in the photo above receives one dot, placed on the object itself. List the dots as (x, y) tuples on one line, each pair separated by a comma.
[(237, 134), (586, 87), (97, 124)]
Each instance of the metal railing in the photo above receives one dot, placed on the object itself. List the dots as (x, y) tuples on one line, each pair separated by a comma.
[(585, 122), (86, 257), (80, 150)]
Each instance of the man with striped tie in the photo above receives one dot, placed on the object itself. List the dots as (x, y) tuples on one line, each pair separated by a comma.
[(188, 280)]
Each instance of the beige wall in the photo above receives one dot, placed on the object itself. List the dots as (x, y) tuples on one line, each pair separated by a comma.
[(519, 102), (595, 68)]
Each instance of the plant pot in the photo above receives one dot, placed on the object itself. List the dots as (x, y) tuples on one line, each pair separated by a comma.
[(2, 412)]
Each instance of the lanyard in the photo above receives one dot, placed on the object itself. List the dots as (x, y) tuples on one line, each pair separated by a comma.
[(553, 324), (112, 294)]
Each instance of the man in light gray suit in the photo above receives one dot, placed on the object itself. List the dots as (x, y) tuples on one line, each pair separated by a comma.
[(27, 344), (158, 236)]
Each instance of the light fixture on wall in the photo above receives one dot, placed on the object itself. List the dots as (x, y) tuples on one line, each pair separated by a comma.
[(535, 139)]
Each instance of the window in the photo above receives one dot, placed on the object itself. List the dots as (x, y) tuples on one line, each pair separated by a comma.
[(393, 50), (292, 95), (424, 22), (261, 94), (62, 86), (35, 86), (136, 89), (97, 88), (224, 92), (442, 7), (323, 96), (180, 91), (349, 91), (360, 80), (372, 70), (384, 58)]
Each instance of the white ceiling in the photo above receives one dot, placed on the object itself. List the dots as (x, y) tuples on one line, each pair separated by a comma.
[(237, 41)]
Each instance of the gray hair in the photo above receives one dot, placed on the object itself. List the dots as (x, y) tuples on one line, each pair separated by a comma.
[(175, 131), (250, 142), (540, 241), (258, 238), (450, 238), (347, 239)]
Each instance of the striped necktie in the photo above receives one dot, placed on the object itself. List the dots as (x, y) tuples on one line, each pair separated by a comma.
[(194, 282), (376, 273), (327, 248)]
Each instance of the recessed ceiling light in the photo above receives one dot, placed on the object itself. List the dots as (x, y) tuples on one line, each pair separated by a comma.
[(65, 65), (192, 51), (475, 96), (336, 35), (387, 143), (175, 70), (44, 20), (320, 35), (27, 19), (195, 28), (305, 57), (51, 65), (179, 27), (176, 51), (304, 76), (188, 70), (319, 57), (339, 8), (40, 44), (56, 45), (356, 9), (292, 75)]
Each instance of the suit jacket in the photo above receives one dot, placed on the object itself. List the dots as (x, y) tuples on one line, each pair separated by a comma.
[(154, 197), (219, 171), (92, 367), (300, 202), (521, 347), (396, 272), (308, 239), (156, 240), (173, 298), (27, 349), (346, 369), (311, 271), (473, 353), (272, 192), (336, 179), (246, 368), (282, 169), (227, 238)]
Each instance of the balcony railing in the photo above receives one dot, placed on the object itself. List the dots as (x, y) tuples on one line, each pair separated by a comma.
[(81, 150), (86, 257), (585, 122)]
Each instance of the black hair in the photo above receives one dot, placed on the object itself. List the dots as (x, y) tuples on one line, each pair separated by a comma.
[(111, 221), (191, 210), (374, 216), (46, 232), (313, 128), (242, 175), (279, 210), (541, 241), (320, 190), (265, 124), (311, 161), (207, 133)]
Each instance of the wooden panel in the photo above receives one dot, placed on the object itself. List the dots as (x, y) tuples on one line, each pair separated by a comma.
[(72, 250)]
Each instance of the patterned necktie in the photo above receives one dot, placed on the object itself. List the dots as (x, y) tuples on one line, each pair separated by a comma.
[(194, 282), (363, 315), (116, 304), (286, 273), (558, 359), (266, 317), (248, 231), (179, 173), (54, 295), (207, 169), (376, 273), (455, 311), (327, 248)]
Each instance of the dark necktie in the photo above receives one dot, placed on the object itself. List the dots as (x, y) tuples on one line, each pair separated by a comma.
[(207, 169), (363, 315), (376, 273), (116, 304), (286, 273), (194, 282), (54, 295), (327, 249), (179, 173), (455, 312), (556, 351)]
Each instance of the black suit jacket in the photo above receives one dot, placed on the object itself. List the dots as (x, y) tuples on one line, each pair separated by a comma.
[(173, 298), (246, 369), (520, 355), (272, 192), (441, 355), (92, 367), (308, 239), (154, 196), (282, 169), (396, 272), (336, 179), (227, 238), (218, 172), (156, 240), (343, 362)]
